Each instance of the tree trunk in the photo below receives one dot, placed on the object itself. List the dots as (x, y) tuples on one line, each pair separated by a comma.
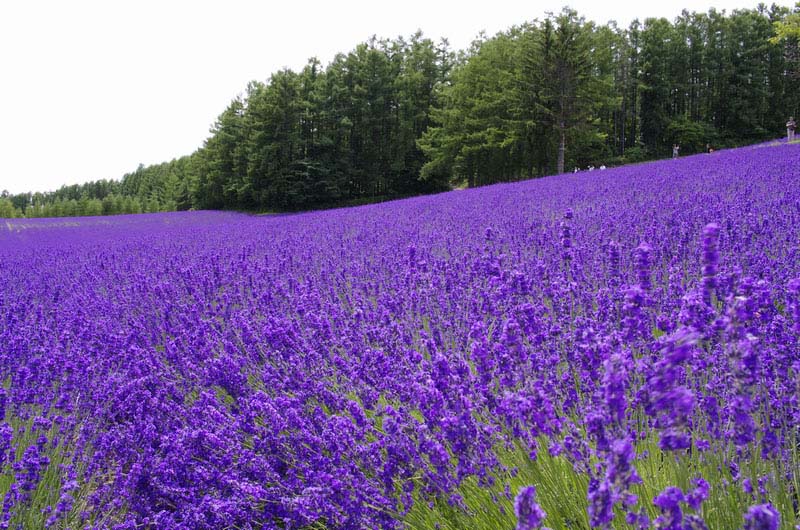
[(561, 146)]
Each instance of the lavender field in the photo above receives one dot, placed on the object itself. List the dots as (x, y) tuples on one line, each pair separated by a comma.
[(614, 349)]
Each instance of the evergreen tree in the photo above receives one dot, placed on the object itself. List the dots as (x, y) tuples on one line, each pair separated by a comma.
[(405, 116), (475, 137)]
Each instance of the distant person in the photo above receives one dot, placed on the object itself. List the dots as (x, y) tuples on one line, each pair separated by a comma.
[(709, 149), (675, 150), (790, 127)]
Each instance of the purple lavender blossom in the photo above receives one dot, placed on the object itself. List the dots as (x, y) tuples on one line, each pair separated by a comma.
[(6, 434), (762, 517), (669, 502), (613, 261), (28, 470), (601, 503), (212, 369), (670, 402), (697, 495), (529, 514), (643, 265), (793, 300), (710, 259)]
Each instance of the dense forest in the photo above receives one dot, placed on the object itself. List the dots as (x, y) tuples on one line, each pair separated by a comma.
[(394, 118)]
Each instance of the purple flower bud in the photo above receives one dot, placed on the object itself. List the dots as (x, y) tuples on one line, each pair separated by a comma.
[(669, 501), (566, 235), (529, 514), (613, 260), (698, 494), (6, 434), (710, 259), (694, 522), (762, 517), (615, 386), (601, 503), (733, 467), (642, 261), (674, 440), (702, 445), (793, 303)]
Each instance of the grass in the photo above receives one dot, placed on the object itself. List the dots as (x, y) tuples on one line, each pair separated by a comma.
[(562, 492)]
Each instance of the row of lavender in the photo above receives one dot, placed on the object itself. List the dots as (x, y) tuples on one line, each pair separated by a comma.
[(212, 370)]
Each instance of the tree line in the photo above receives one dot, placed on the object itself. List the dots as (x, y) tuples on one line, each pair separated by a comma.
[(401, 117)]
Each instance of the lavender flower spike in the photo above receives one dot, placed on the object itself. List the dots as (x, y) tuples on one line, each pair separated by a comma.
[(710, 259), (762, 517), (529, 514)]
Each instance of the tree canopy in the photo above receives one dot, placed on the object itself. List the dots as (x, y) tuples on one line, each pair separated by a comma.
[(394, 118)]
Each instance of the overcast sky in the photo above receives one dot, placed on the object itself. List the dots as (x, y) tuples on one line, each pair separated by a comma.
[(90, 89)]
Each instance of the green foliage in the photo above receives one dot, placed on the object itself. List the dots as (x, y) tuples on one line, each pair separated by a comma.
[(7, 209), (327, 136), (692, 136), (476, 139), (787, 29), (562, 491), (47, 494), (157, 188), (394, 118), (713, 78)]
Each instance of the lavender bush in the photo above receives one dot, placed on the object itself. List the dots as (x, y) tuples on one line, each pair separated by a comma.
[(607, 349)]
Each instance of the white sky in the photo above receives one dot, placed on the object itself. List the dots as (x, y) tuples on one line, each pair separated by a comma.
[(89, 89)]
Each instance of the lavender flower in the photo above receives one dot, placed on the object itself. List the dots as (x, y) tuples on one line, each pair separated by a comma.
[(669, 502), (613, 261), (529, 514), (793, 302), (762, 517), (6, 435), (670, 401), (212, 369), (710, 259), (643, 266), (696, 496)]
